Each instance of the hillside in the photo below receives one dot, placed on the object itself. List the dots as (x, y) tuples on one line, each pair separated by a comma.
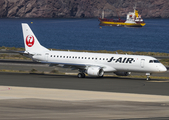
[(81, 8)]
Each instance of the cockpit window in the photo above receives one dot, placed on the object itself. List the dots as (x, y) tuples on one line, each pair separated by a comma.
[(151, 61), (154, 61)]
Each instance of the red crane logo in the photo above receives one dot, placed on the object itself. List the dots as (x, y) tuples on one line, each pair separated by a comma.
[(30, 40)]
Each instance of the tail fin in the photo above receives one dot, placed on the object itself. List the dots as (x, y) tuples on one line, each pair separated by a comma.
[(32, 44)]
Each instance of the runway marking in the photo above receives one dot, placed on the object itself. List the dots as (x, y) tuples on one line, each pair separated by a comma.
[(2, 88)]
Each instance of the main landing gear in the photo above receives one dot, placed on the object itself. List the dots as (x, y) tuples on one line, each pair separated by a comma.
[(81, 75)]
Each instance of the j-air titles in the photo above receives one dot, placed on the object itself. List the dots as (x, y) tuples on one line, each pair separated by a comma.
[(121, 60)]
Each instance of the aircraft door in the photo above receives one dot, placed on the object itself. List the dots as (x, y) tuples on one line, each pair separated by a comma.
[(46, 56), (142, 63)]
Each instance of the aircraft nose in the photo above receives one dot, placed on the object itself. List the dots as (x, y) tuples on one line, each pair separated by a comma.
[(162, 68)]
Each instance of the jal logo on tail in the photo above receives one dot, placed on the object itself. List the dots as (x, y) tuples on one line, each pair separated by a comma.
[(30, 40)]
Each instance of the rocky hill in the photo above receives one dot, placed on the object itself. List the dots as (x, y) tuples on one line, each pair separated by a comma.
[(82, 8)]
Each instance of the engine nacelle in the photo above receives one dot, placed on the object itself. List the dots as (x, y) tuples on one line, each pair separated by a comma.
[(122, 73), (95, 71)]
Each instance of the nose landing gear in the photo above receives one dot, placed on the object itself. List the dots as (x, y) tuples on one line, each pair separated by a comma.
[(148, 76)]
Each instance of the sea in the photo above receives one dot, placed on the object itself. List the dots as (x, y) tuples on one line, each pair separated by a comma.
[(86, 34)]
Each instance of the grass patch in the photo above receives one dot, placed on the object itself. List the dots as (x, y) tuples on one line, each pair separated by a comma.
[(54, 71), (33, 70), (12, 48), (165, 62), (14, 71), (13, 56), (143, 76)]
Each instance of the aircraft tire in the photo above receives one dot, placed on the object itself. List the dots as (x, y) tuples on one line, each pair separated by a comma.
[(101, 76), (148, 78), (81, 75)]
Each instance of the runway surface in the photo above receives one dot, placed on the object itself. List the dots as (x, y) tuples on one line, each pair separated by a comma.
[(106, 84), (59, 97)]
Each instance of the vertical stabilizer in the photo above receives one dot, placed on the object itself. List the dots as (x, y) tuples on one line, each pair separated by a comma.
[(32, 44)]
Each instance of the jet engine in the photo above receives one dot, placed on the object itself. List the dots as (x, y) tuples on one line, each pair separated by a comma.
[(95, 71), (122, 73)]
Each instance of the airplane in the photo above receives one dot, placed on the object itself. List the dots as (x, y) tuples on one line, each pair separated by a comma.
[(92, 64)]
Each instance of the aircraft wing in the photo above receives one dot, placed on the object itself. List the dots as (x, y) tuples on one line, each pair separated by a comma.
[(71, 65), (81, 66)]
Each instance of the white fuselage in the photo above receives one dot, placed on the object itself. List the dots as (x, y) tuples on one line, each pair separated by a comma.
[(109, 62)]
